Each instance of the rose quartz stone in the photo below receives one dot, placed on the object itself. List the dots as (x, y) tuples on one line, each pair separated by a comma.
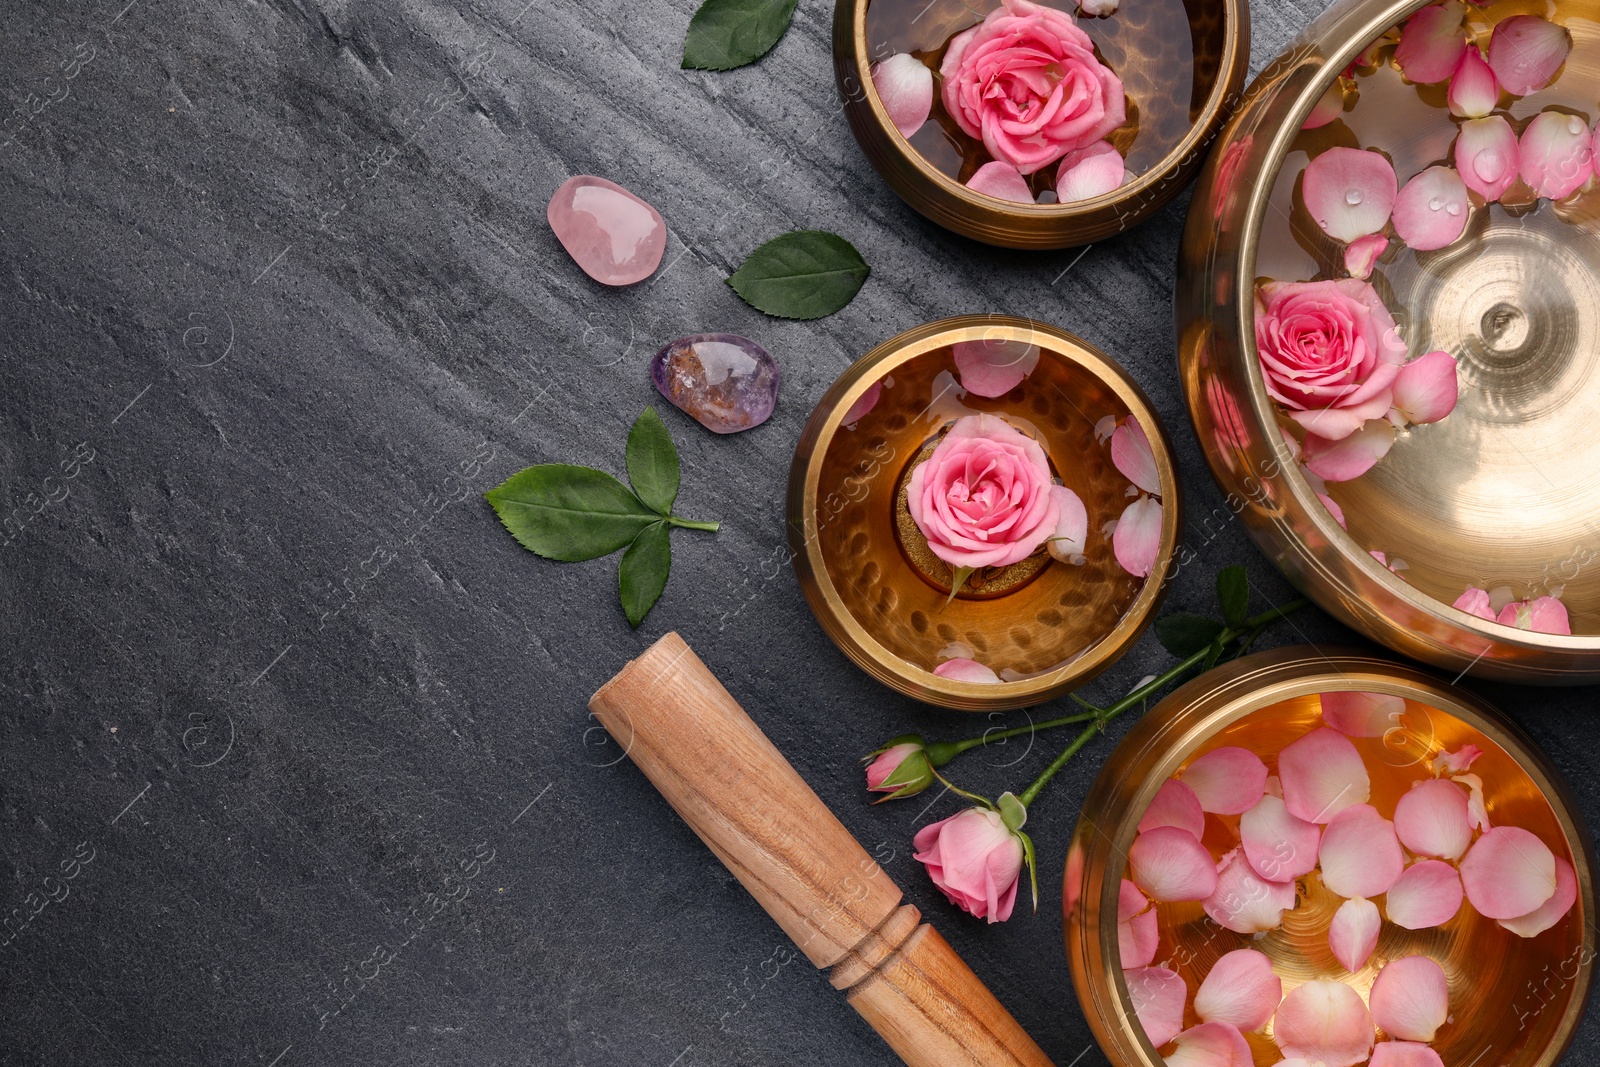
[(613, 235)]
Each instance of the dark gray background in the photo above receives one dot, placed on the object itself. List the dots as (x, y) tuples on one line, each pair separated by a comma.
[(279, 301)]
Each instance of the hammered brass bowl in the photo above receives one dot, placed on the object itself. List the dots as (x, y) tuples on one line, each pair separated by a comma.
[(1182, 61), (1043, 626), (1504, 494), (1514, 1002)]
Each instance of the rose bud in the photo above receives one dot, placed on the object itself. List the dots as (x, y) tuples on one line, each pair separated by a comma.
[(900, 768), (975, 857)]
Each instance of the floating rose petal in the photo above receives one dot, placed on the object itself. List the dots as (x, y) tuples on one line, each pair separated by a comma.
[(1244, 902), (1132, 456), (1324, 1021), (1210, 1045), (1089, 172), (1137, 539), (1322, 775), (1330, 105), (1227, 781), (1362, 714), (905, 85), (1526, 51), (1428, 894), (1474, 91), (1556, 154), (1169, 864), (1175, 805), (864, 404), (1545, 615), (1240, 989), (1486, 156), (1072, 526), (1431, 819), (1002, 181), (1426, 390), (1363, 253), (1550, 912), (1137, 931), (1279, 846), (993, 367), (1349, 458), (1157, 995), (1349, 191), (966, 670), (1477, 809), (1333, 509), (1360, 856), (1097, 8), (1403, 1054), (1475, 601), (1432, 42), (1455, 762), (1507, 873), (1431, 211), (1410, 998), (1353, 934)]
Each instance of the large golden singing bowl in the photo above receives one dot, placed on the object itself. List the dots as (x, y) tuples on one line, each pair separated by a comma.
[(1504, 494), (1182, 62), (1042, 626), (1513, 1001)]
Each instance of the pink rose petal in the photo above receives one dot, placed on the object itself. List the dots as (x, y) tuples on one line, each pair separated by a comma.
[(1157, 995), (1545, 615), (1350, 457), (1324, 1021), (1002, 181), (1360, 855), (1330, 105), (1474, 90), (1210, 1045), (966, 670), (1432, 210), (1486, 156), (1244, 902), (1432, 42), (1477, 809), (1227, 781), (1089, 172), (1137, 539), (1279, 846), (1461, 759), (1526, 51), (1353, 934), (1175, 805), (1431, 820), (1410, 998), (1550, 912), (905, 85), (1137, 930), (1240, 990), (1556, 154), (1428, 894), (1426, 388), (1349, 191), (1323, 775), (1132, 456), (1475, 601), (1072, 526), (1362, 714), (1404, 1054), (1508, 872), (864, 404), (993, 367), (1362, 254), (1333, 509), (1169, 864)]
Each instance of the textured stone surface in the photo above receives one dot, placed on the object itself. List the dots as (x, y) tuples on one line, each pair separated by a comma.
[(278, 301)]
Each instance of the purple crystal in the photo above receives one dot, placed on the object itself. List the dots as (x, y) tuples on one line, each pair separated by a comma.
[(727, 383)]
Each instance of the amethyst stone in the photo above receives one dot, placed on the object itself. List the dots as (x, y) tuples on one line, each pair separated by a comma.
[(726, 382)]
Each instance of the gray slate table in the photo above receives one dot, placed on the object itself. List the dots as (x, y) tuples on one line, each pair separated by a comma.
[(279, 301)]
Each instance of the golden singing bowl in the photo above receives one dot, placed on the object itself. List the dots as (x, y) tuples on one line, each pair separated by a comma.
[(1513, 1001), (1504, 494), (870, 579), (1180, 85)]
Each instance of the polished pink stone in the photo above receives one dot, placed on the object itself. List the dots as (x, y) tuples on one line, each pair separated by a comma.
[(613, 235)]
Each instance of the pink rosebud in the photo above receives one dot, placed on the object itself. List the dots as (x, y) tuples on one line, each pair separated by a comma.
[(1432, 42), (1002, 181), (1349, 192), (1426, 388), (1486, 156), (975, 860), (905, 85), (1474, 92), (1526, 51), (901, 768), (1556, 154)]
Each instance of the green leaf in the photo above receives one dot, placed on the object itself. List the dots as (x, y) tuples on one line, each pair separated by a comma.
[(731, 33), (569, 513), (644, 571), (653, 462), (1233, 595), (1183, 634), (805, 274), (1032, 861)]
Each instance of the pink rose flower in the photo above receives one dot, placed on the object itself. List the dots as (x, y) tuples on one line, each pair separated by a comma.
[(1329, 353), (1026, 82), (901, 768), (974, 860), (983, 498)]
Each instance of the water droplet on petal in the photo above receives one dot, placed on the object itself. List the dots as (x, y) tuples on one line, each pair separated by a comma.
[(1452, 209), (1353, 197), (1575, 125), (1489, 165), (1435, 204)]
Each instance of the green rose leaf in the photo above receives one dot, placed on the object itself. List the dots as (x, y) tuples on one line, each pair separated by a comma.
[(645, 566), (653, 462), (731, 33), (1233, 594), (805, 274), (1183, 634), (569, 513)]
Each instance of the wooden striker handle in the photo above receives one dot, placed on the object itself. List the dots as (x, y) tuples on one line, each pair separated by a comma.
[(737, 792)]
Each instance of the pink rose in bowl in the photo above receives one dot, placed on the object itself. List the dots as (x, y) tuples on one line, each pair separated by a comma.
[(975, 860), (1025, 81), (1329, 352), (983, 498)]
